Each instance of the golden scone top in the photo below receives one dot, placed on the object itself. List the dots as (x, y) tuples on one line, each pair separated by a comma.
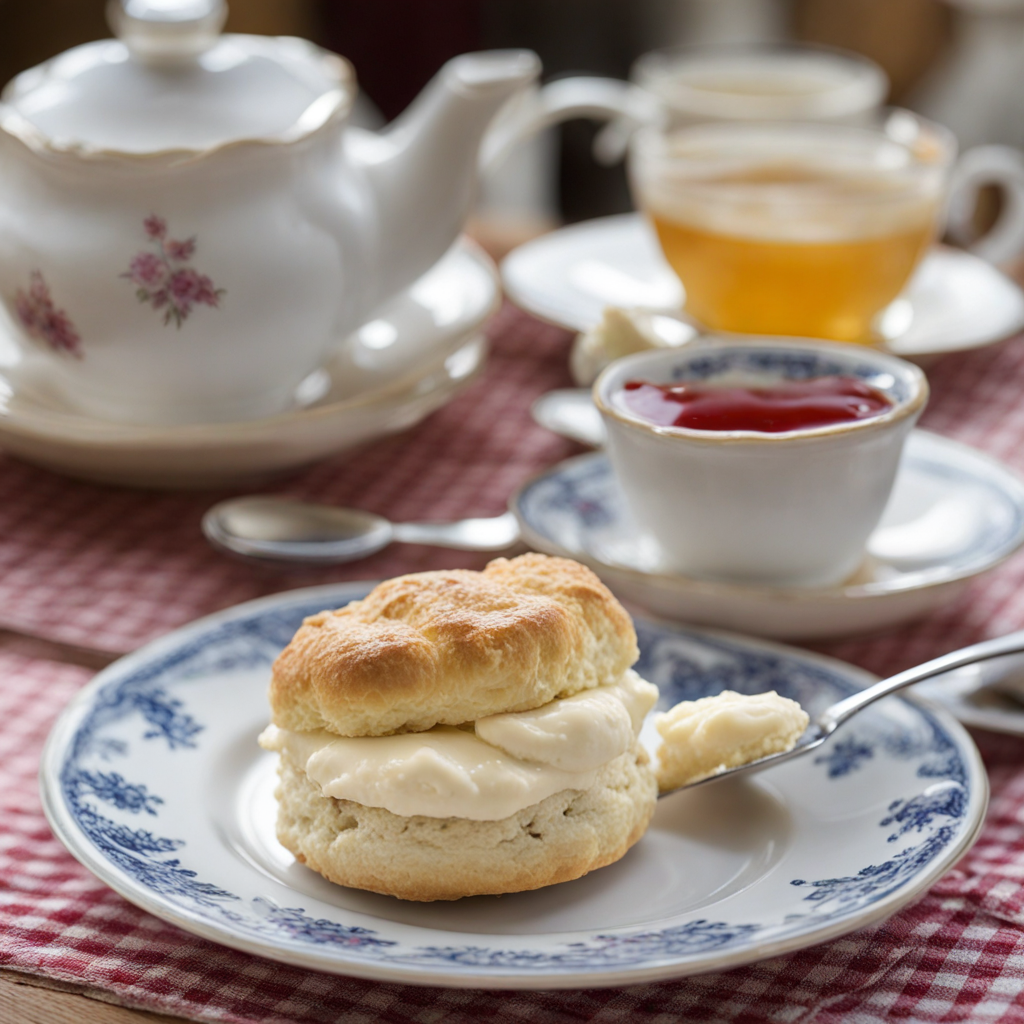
[(451, 647)]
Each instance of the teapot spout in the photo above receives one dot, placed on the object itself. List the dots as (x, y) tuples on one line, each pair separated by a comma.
[(423, 168)]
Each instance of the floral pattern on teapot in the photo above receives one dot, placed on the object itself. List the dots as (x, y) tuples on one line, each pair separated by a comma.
[(42, 319), (163, 280)]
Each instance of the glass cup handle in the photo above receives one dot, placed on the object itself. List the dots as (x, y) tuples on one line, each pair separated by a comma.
[(1002, 166), (600, 99)]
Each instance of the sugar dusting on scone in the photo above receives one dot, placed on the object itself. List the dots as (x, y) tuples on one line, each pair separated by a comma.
[(459, 733), (707, 736)]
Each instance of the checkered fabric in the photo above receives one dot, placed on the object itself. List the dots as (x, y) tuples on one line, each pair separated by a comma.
[(113, 568), (957, 955)]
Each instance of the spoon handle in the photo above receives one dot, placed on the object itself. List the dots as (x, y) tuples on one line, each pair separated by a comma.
[(831, 718), (491, 534)]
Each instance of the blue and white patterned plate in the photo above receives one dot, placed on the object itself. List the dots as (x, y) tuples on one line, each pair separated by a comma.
[(153, 779)]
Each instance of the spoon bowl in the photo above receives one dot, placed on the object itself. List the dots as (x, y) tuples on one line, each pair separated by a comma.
[(285, 530)]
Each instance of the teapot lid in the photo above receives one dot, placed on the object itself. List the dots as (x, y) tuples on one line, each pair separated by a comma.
[(172, 82)]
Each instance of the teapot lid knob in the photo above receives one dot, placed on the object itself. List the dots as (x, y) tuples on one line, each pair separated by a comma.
[(167, 31)]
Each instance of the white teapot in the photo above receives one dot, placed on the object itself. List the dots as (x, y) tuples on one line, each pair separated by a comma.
[(188, 225)]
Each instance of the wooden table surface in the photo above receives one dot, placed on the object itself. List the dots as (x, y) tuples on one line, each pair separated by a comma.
[(25, 999)]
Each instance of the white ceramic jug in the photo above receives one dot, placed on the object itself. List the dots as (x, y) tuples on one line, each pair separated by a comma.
[(188, 225)]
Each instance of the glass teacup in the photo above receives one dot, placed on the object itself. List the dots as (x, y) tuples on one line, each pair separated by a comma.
[(794, 228)]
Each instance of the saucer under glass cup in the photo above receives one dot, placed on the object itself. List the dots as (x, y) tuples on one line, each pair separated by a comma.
[(791, 228), (784, 141)]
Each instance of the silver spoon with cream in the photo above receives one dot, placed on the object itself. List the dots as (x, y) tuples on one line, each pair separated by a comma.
[(269, 529), (842, 711)]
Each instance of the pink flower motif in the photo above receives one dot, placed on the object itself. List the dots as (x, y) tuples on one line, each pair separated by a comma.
[(189, 287), (156, 227), (43, 321), (147, 270), (163, 282), (180, 250)]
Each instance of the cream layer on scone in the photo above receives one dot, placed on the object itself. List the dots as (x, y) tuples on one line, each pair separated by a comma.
[(482, 771)]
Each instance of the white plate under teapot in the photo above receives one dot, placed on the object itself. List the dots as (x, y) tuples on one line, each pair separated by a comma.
[(412, 358)]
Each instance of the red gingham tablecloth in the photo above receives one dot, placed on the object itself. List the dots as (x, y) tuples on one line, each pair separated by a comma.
[(113, 568)]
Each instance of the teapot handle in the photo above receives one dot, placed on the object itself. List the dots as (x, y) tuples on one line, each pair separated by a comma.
[(625, 105), (988, 165)]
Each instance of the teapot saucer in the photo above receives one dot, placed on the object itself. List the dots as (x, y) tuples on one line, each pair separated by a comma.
[(954, 302), (954, 513), (414, 357)]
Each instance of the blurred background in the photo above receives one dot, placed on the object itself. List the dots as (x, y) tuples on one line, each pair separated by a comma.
[(958, 61)]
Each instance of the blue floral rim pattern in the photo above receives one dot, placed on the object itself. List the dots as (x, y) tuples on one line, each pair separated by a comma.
[(789, 363)]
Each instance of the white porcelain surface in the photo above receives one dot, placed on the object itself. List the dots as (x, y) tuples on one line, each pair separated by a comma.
[(185, 239), (699, 83), (160, 751), (571, 413), (411, 359), (168, 30), (793, 508), (954, 513), (955, 301), (98, 98)]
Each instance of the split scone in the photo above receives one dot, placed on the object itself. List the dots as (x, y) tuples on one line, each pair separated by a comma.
[(459, 733)]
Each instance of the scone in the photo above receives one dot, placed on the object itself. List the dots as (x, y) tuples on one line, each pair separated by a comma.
[(460, 733)]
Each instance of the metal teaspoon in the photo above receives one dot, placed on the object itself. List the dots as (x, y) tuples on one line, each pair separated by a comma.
[(832, 717), (267, 529)]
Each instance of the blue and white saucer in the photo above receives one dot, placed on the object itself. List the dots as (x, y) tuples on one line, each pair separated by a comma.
[(954, 513), (152, 778)]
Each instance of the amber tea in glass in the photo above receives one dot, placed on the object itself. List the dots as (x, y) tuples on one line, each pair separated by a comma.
[(791, 228)]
